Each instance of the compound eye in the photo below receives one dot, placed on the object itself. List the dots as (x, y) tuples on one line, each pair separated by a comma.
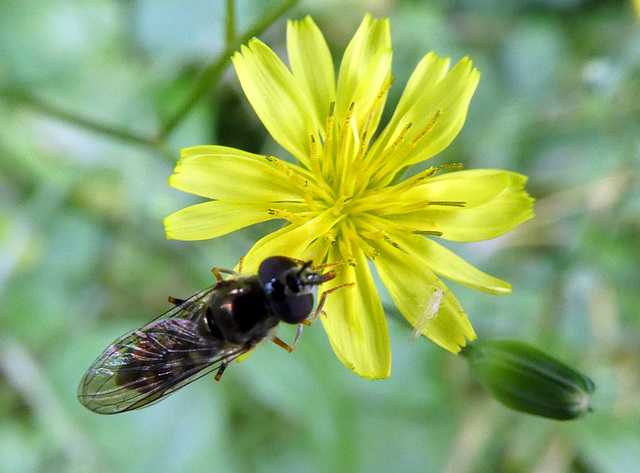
[(274, 268), (294, 309)]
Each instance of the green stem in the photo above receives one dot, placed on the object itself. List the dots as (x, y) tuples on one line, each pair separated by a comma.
[(231, 23), (207, 80), (209, 77), (47, 108)]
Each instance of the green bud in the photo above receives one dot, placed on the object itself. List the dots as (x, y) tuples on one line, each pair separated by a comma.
[(528, 380)]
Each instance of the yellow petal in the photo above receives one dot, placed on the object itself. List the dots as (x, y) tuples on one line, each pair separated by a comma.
[(276, 98), (494, 202), (452, 96), (218, 172), (411, 284), (365, 69), (447, 264), (215, 218), (292, 240), (436, 110), (312, 67), (355, 321), (429, 71), (369, 97)]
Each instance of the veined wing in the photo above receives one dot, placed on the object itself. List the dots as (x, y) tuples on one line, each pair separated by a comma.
[(148, 364)]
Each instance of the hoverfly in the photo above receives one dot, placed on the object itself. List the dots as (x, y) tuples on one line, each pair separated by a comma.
[(203, 334)]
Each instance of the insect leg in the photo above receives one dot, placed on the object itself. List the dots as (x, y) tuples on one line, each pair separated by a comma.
[(323, 299), (223, 366), (311, 319), (176, 301), (298, 333), (282, 344), (217, 273), (299, 261), (327, 265)]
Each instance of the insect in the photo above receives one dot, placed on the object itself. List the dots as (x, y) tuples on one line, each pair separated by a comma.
[(203, 334), (433, 306)]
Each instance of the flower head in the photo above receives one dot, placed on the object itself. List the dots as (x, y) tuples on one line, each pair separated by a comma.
[(344, 200)]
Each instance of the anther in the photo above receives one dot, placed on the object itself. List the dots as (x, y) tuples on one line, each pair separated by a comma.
[(328, 137), (447, 203), (286, 215), (427, 129), (428, 232), (282, 167)]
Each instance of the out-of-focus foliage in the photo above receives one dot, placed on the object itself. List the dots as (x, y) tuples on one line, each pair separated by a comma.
[(92, 99)]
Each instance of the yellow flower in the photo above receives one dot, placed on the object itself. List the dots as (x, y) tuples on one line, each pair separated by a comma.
[(345, 200)]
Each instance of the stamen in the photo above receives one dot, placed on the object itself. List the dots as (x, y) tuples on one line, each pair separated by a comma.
[(370, 251), (281, 166), (349, 235), (286, 215), (385, 156), (319, 189), (450, 167), (400, 138), (388, 239), (349, 148), (421, 176), (346, 252), (363, 146), (328, 138), (287, 171), (379, 200), (314, 160), (414, 180), (447, 203), (402, 151), (373, 114), (428, 232), (329, 238), (381, 235), (308, 196), (346, 127), (383, 92), (427, 129)]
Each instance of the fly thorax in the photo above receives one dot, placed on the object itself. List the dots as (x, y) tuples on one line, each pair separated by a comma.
[(239, 312)]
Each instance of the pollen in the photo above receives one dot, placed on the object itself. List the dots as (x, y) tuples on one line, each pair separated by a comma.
[(427, 129), (447, 203)]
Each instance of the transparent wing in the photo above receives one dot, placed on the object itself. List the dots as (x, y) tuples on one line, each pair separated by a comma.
[(148, 364)]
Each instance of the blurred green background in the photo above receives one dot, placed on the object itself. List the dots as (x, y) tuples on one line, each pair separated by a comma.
[(96, 99)]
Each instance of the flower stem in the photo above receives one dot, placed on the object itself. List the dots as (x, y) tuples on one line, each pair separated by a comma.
[(207, 80), (231, 22), (79, 120), (210, 76)]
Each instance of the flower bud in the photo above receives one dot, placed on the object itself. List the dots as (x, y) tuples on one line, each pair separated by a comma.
[(528, 380)]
